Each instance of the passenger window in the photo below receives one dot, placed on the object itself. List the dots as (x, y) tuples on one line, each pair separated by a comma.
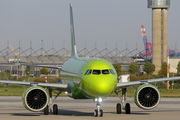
[(105, 71), (96, 72), (112, 72), (86, 72), (89, 72)]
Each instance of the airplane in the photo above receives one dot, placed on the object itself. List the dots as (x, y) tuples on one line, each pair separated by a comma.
[(88, 78)]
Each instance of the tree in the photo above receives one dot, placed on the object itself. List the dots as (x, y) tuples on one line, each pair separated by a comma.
[(172, 55), (118, 69), (163, 71), (27, 71), (178, 68), (44, 71), (133, 68), (149, 68)]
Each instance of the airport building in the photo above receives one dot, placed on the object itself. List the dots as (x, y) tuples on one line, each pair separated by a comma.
[(15, 69), (11, 61)]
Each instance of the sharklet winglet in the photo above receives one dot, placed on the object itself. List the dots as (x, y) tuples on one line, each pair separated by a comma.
[(73, 44)]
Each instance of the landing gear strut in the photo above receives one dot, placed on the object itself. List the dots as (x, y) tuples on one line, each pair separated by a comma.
[(125, 106), (98, 111), (50, 106)]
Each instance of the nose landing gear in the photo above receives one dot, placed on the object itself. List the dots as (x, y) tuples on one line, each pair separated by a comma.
[(98, 111)]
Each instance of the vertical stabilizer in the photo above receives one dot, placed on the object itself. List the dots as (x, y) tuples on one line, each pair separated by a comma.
[(73, 44)]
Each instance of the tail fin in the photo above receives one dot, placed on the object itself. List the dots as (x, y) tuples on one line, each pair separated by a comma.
[(73, 44)]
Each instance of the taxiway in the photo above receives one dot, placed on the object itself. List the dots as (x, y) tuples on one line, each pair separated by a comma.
[(11, 107)]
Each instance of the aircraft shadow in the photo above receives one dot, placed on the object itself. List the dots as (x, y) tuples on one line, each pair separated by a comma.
[(134, 113), (74, 113), (60, 112), (89, 114), (162, 111), (26, 114)]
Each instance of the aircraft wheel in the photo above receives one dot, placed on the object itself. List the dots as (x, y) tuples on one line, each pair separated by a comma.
[(127, 108), (101, 113), (46, 110), (118, 108), (55, 109), (96, 113)]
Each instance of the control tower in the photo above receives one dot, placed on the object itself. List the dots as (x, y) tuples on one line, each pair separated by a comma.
[(159, 31)]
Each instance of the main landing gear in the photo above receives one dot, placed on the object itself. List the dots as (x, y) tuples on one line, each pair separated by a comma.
[(125, 106), (98, 111), (50, 106)]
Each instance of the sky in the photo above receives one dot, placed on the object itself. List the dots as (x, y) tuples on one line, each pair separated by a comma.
[(97, 21)]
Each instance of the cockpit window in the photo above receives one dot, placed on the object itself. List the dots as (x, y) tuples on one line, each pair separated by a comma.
[(96, 72), (112, 72), (86, 72), (89, 72), (106, 71)]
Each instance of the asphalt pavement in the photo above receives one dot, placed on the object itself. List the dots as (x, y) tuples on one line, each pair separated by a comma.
[(11, 107)]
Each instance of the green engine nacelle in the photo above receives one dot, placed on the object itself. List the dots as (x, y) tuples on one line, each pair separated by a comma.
[(35, 98), (147, 96)]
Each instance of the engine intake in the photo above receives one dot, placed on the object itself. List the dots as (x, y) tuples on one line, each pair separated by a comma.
[(147, 96), (35, 98)]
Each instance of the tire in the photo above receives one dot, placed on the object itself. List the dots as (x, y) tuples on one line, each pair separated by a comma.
[(96, 113), (127, 108), (55, 109), (101, 113), (46, 110), (118, 108)]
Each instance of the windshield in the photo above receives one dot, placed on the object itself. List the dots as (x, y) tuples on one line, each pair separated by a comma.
[(105, 71), (96, 72)]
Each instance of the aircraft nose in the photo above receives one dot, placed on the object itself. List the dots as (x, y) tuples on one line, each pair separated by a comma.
[(103, 88), (100, 87)]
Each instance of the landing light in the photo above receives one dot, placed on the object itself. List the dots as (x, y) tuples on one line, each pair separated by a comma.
[(98, 99)]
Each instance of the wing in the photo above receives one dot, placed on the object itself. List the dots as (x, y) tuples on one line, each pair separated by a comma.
[(55, 86), (136, 83), (54, 67)]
